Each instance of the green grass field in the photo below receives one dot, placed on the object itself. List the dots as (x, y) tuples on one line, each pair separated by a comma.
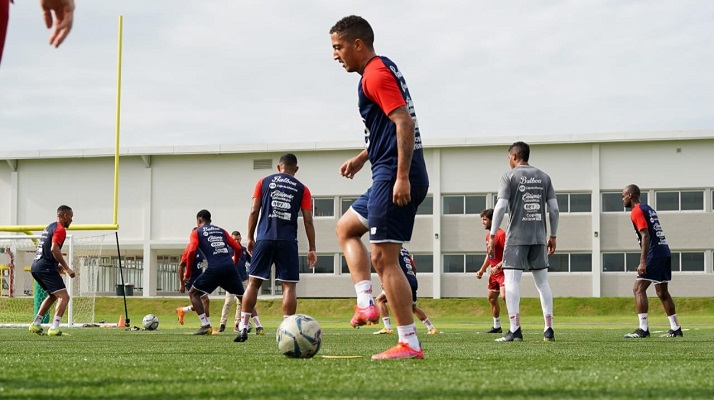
[(590, 359)]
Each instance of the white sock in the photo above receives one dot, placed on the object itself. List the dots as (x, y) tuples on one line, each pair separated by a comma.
[(407, 334), (513, 297), (387, 323), (244, 320), (673, 322), (644, 325), (56, 322), (204, 319), (364, 294), (257, 322), (546, 296), (38, 320), (188, 309), (497, 322), (428, 324)]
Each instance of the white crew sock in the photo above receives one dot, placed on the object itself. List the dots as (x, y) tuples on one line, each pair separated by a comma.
[(257, 322), (428, 324), (56, 322), (387, 323), (188, 309), (204, 320), (38, 320), (407, 334), (673, 322), (497, 322), (644, 324), (513, 297), (364, 294)]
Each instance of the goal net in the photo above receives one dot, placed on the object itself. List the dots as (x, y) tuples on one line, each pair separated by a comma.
[(17, 290)]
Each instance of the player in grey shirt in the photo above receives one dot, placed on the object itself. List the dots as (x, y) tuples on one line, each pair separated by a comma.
[(525, 192)]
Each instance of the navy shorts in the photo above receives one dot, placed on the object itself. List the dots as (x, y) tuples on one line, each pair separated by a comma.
[(659, 270), (388, 222), (192, 280), (224, 276), (282, 253), (526, 257), (49, 280)]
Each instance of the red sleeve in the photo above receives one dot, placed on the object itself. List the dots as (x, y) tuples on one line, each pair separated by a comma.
[(500, 238), (191, 253), (380, 86), (258, 191), (638, 218), (237, 249), (306, 200), (60, 235)]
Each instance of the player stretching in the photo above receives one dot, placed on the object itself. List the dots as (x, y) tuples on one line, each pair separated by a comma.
[(399, 182), (46, 269), (242, 265), (655, 263), (525, 191), (195, 273), (216, 245), (496, 277), (277, 199), (406, 262)]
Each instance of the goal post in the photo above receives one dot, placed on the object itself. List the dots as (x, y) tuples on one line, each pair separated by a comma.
[(17, 252)]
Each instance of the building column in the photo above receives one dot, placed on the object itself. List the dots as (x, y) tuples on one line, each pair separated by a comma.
[(150, 264), (595, 212), (435, 183)]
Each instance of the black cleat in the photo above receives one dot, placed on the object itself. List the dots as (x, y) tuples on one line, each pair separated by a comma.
[(549, 335), (242, 335), (204, 330), (516, 336), (638, 334), (259, 331), (674, 333), (222, 328), (495, 330)]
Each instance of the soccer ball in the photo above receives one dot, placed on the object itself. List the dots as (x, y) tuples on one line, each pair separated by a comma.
[(299, 336), (150, 322)]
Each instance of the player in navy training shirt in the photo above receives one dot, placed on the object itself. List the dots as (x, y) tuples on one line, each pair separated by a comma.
[(195, 273), (46, 269), (399, 182), (277, 200)]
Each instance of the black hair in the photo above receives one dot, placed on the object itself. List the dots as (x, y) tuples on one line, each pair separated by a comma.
[(354, 27), (205, 215), (288, 160), (521, 150), (488, 213), (63, 209)]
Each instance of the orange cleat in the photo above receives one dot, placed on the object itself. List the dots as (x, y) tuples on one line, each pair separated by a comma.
[(365, 316), (180, 312), (401, 350)]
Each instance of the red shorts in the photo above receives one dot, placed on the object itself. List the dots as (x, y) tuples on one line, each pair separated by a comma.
[(496, 281), (4, 16)]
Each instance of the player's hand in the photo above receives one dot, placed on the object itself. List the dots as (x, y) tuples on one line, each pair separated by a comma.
[(642, 269), (182, 288), (351, 167), (70, 272), (551, 245), (490, 247), (63, 19), (311, 258), (479, 274), (401, 193), (251, 246)]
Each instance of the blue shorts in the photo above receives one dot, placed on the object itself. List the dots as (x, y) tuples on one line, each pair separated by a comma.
[(388, 222), (659, 270), (193, 279), (224, 276), (50, 280), (282, 253)]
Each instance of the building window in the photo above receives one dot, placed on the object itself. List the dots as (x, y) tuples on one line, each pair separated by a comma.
[(570, 262), (680, 201), (463, 263), (346, 270), (325, 265), (464, 204), (346, 203), (427, 206), (574, 202), (323, 207), (612, 201), (688, 261), (424, 263), (620, 262)]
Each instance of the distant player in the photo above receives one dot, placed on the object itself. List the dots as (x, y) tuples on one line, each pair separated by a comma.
[(46, 269), (218, 247), (655, 264), (195, 273), (242, 265), (277, 200), (406, 262), (496, 278)]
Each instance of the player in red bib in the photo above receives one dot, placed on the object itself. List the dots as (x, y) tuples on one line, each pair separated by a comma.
[(497, 278)]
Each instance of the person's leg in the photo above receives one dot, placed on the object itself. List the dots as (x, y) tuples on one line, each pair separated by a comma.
[(289, 298), (642, 306), (250, 297), (227, 304), (513, 297), (495, 311), (60, 307), (668, 304), (540, 277), (206, 302), (350, 229), (381, 303)]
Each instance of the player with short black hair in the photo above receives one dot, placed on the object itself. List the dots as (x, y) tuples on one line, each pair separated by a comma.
[(195, 273)]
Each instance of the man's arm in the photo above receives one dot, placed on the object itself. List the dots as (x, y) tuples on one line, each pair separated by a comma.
[(482, 270), (498, 212), (57, 254), (310, 231), (405, 148), (644, 251), (553, 216), (253, 223), (352, 166), (190, 254), (63, 19)]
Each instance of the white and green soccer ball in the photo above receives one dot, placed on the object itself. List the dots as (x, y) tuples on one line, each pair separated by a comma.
[(150, 322), (299, 336)]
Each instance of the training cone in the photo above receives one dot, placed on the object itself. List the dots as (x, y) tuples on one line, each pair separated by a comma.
[(121, 323)]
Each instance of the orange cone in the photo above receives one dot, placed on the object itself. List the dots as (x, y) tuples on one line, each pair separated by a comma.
[(121, 323)]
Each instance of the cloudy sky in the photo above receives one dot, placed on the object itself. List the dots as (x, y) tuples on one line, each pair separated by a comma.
[(231, 72)]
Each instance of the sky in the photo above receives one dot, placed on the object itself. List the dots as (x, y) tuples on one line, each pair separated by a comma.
[(232, 71)]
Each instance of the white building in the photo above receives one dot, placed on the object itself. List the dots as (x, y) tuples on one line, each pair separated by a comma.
[(161, 189)]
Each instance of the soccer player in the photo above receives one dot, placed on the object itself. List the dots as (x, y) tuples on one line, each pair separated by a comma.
[(496, 278), (525, 191), (61, 24), (655, 264), (408, 266), (277, 199), (195, 273), (216, 245), (243, 265), (399, 182), (46, 269)]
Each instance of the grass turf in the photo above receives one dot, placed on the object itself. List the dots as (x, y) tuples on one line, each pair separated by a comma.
[(460, 363)]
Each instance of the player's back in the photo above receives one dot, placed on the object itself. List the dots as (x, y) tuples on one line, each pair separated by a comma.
[(282, 197), (213, 243), (528, 190)]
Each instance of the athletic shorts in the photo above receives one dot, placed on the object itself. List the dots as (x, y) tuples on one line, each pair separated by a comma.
[(413, 284), (282, 253), (659, 270), (387, 222), (192, 280), (242, 273), (50, 280), (496, 281), (526, 257), (225, 276)]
